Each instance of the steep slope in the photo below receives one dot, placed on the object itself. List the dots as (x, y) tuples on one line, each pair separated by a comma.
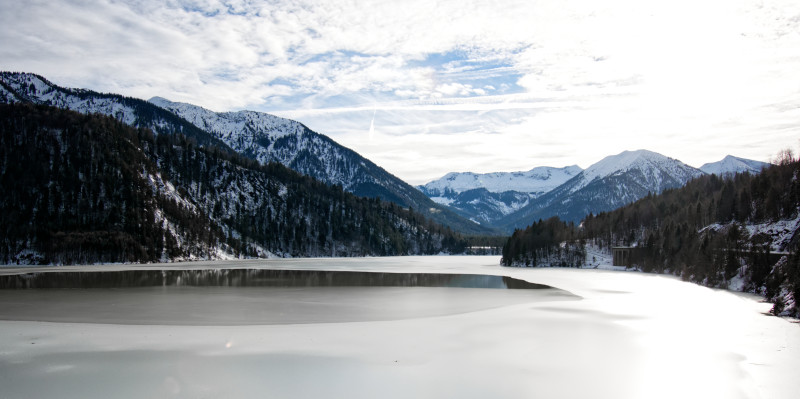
[(268, 138), (485, 198), (30, 88), (255, 135), (614, 181), (731, 165), (88, 188), (741, 234)]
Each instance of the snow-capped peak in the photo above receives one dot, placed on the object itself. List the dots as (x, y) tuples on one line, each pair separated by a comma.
[(653, 166), (640, 159), (537, 180), (731, 165), (623, 161)]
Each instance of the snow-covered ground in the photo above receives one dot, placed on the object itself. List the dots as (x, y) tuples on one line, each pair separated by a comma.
[(780, 232), (628, 335), (597, 258)]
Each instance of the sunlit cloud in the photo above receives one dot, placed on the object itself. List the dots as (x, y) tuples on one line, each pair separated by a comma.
[(469, 85)]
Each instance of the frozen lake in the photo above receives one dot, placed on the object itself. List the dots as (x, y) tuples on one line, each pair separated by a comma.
[(452, 330), (256, 296)]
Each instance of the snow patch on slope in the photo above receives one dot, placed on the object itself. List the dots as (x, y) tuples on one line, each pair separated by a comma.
[(268, 138), (229, 126), (780, 232), (537, 180)]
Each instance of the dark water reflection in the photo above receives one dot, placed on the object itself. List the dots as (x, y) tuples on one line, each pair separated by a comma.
[(256, 278), (255, 296)]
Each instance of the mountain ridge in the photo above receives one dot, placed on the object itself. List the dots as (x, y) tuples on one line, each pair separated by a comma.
[(731, 164), (486, 197), (537, 180), (269, 138), (299, 148), (613, 181), (610, 183), (88, 188)]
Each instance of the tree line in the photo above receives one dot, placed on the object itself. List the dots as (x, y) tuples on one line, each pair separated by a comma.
[(87, 188), (698, 232)]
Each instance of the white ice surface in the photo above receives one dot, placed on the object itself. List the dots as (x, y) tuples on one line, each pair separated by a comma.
[(632, 335)]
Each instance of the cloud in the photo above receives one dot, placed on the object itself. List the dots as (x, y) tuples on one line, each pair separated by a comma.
[(515, 83)]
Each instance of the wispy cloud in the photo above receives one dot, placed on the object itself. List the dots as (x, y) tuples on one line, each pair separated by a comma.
[(469, 85)]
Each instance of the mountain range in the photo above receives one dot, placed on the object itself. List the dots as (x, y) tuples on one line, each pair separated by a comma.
[(515, 199), (487, 197), (466, 202), (259, 136)]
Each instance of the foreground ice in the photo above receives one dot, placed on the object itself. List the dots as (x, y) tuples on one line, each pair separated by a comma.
[(630, 335)]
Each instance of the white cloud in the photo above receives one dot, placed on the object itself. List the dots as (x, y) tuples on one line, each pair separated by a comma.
[(493, 87)]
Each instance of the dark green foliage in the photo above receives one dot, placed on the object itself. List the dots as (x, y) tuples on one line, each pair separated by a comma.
[(485, 245), (540, 243), (364, 178), (145, 114), (695, 231), (84, 189)]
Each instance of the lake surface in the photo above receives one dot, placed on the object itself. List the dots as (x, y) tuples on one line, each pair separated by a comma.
[(255, 296), (594, 334)]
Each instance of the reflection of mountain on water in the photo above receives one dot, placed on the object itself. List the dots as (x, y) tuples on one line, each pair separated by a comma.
[(257, 278)]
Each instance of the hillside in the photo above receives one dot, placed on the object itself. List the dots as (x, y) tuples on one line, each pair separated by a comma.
[(265, 138), (29, 88), (88, 188), (738, 232)]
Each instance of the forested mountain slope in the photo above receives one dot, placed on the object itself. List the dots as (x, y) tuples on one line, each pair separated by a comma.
[(29, 88), (263, 137), (737, 232), (88, 188)]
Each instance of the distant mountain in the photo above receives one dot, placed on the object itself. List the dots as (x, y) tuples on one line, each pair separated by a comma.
[(569, 193), (614, 181), (87, 188), (258, 136), (536, 181), (485, 198), (732, 165)]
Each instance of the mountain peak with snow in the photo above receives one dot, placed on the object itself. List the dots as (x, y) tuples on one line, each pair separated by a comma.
[(485, 197), (614, 181), (651, 165), (535, 181), (732, 165)]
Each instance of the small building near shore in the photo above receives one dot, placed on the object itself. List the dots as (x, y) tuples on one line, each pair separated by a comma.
[(623, 256)]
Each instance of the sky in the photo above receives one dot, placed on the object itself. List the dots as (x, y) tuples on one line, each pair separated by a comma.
[(423, 88)]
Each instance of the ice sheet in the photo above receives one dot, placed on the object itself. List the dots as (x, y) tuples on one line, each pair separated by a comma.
[(631, 335)]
